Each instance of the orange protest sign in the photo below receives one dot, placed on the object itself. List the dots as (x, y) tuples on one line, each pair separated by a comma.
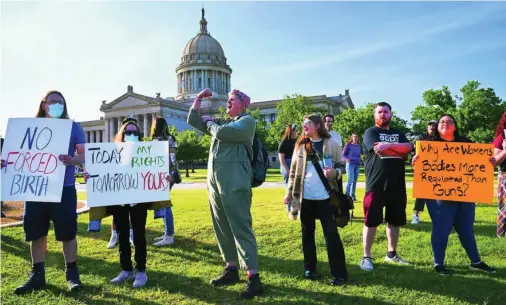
[(454, 171)]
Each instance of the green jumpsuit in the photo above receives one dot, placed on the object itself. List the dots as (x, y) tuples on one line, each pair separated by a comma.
[(229, 177)]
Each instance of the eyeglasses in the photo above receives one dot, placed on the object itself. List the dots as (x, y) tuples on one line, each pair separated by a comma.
[(307, 123), (446, 122), (52, 102), (131, 132)]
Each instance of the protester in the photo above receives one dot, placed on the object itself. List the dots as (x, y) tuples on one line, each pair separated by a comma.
[(37, 215), (229, 181), (114, 236), (1, 202), (500, 158), (386, 151), (123, 215), (285, 152), (308, 191), (328, 119), (446, 214), (429, 135), (160, 132), (352, 156)]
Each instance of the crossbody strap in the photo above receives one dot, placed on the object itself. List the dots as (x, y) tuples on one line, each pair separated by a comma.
[(317, 166)]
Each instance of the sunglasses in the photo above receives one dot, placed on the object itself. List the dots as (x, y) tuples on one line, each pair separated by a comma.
[(131, 132)]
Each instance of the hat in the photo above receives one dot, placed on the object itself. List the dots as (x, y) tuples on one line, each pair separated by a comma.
[(432, 122)]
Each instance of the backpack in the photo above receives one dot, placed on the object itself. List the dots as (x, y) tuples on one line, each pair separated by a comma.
[(259, 162)]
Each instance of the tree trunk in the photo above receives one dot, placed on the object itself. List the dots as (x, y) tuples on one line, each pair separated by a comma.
[(193, 167), (187, 172)]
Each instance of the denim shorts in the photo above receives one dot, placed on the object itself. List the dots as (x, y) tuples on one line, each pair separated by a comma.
[(38, 215)]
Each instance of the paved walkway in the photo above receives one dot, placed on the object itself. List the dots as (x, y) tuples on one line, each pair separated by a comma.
[(202, 185)]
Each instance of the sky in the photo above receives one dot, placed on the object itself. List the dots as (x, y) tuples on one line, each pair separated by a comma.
[(380, 51)]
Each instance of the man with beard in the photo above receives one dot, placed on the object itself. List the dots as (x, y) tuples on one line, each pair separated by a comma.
[(386, 152), (328, 121)]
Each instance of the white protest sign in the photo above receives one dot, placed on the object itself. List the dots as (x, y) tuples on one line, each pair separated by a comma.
[(125, 172), (31, 149)]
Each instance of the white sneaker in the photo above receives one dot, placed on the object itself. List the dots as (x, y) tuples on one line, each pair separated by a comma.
[(123, 277), (415, 220), (396, 260), (112, 242), (140, 279), (165, 241), (159, 238), (132, 237), (366, 264)]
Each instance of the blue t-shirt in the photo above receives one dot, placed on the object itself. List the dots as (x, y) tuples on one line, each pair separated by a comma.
[(76, 137)]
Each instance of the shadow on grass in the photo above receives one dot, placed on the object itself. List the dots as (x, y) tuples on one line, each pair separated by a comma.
[(480, 228)]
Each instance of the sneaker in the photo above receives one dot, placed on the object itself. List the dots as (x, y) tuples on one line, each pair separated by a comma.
[(483, 267), (112, 242), (338, 282), (253, 287), (35, 281), (229, 277), (140, 279), (73, 281), (396, 260), (123, 277), (415, 220), (159, 238), (309, 275), (165, 241), (441, 269), (366, 264)]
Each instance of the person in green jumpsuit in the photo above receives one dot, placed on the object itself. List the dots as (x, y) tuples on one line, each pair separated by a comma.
[(229, 177)]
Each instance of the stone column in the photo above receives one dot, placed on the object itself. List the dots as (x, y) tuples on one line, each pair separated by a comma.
[(145, 129), (119, 123), (106, 129)]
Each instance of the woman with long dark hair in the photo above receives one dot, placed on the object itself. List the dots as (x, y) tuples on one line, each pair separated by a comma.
[(160, 132), (38, 215), (285, 152), (447, 214), (500, 158), (306, 192)]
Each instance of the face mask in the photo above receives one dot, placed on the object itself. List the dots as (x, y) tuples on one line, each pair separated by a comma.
[(55, 110), (131, 138)]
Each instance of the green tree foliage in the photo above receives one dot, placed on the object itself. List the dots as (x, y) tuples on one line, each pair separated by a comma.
[(359, 119), (477, 110), (190, 148), (290, 111)]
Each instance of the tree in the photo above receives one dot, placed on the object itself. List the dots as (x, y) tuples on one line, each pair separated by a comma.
[(477, 111), (190, 148), (290, 111), (359, 119)]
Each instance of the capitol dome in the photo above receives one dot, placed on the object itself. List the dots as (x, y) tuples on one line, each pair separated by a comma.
[(203, 65)]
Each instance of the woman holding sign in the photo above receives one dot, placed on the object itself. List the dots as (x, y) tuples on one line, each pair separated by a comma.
[(123, 216), (63, 214), (448, 214), (310, 196), (500, 158)]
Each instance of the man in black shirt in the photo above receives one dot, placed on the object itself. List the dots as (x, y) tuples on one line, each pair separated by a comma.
[(386, 151)]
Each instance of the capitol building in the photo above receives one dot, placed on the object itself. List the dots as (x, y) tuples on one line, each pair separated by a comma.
[(203, 65)]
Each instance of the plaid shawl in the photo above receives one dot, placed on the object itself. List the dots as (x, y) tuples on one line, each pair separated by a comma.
[(298, 171)]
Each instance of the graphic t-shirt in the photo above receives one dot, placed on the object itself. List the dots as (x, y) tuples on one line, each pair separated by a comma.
[(383, 173)]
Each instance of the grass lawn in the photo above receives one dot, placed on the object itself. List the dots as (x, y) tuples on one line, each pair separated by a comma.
[(180, 274)]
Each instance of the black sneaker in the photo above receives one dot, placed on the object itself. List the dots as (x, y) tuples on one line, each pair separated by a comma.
[(338, 282), (441, 270), (229, 277), (73, 281), (483, 267), (36, 281), (253, 287), (309, 275)]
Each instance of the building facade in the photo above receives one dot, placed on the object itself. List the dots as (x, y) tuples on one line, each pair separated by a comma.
[(203, 65)]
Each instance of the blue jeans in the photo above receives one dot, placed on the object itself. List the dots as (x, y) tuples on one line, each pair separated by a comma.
[(169, 221), (353, 171), (286, 176), (445, 215)]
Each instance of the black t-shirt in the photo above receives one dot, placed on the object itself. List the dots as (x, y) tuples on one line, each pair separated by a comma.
[(383, 173), (286, 147)]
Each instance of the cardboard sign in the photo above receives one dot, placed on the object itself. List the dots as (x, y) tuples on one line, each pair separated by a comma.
[(125, 173), (454, 171), (31, 149)]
